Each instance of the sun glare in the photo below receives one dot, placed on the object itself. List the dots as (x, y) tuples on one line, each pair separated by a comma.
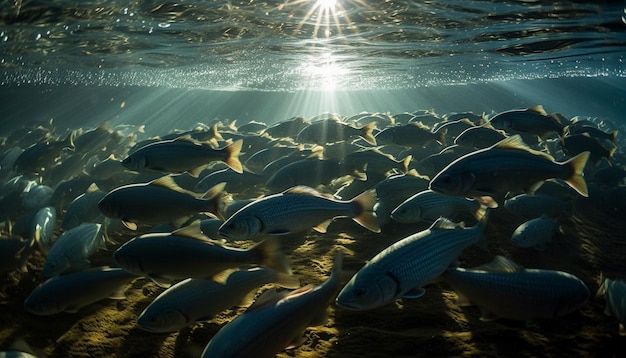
[(325, 14)]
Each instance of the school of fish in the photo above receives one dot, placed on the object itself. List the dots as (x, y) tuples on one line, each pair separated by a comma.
[(204, 214)]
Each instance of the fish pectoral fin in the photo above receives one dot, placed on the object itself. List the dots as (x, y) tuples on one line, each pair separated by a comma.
[(296, 342), (463, 301), (162, 282), (414, 293), (195, 172), (487, 316), (118, 294), (279, 232), (222, 277), (323, 227), (130, 225), (488, 201)]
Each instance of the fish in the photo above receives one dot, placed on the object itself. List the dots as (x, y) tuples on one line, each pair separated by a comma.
[(392, 191), (72, 249), (287, 128), (614, 291), (158, 201), (37, 197), (187, 253), (507, 167), (296, 210), (480, 137), (524, 294), (257, 161), (579, 143), (609, 177), (375, 160), (402, 269), (70, 292), (182, 154), (333, 130), (194, 300), (429, 206), (41, 155), (535, 205), (15, 252), (309, 172), (84, 208), (534, 120), (276, 321), (42, 227), (536, 233), (412, 134)]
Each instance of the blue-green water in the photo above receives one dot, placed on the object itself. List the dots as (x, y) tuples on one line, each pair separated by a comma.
[(198, 60)]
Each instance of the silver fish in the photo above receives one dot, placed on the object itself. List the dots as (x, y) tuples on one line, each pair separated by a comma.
[(525, 294), (614, 291), (275, 321), (72, 291), (402, 269), (43, 226), (158, 201), (72, 249), (182, 155), (429, 206), (186, 253), (535, 233), (296, 210), (84, 208), (509, 166), (195, 300)]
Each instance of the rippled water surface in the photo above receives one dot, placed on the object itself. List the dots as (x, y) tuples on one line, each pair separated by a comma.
[(302, 45)]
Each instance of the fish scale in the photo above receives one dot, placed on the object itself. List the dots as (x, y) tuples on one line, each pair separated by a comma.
[(522, 295), (409, 263)]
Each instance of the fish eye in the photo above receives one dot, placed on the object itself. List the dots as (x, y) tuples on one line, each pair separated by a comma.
[(359, 292)]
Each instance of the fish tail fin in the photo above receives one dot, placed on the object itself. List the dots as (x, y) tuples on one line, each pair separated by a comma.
[(366, 133), (216, 132), (441, 137), (364, 209), (231, 155), (69, 140), (482, 241), (576, 180), (610, 155), (481, 211), (287, 280), (216, 200), (271, 256), (405, 163)]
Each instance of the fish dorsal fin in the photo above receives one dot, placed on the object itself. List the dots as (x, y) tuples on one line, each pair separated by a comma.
[(302, 190), (420, 125), (516, 142), (192, 231), (500, 264), (512, 142), (446, 224), (267, 298), (92, 188), (185, 138), (538, 109), (222, 277), (168, 182)]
